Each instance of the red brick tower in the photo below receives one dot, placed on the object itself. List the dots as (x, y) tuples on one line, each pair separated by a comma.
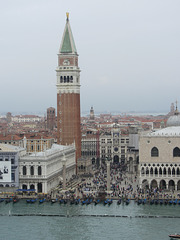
[(68, 92), (51, 118)]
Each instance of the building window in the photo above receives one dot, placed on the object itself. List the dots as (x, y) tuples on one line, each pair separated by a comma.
[(32, 170), (12, 160), (154, 152), (39, 170), (24, 170), (176, 152), (13, 177)]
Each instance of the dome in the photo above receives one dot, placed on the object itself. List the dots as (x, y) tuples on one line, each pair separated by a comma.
[(173, 120)]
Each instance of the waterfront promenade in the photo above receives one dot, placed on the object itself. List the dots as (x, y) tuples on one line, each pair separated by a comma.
[(124, 185)]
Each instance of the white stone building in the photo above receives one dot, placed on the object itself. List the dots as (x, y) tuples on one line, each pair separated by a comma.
[(43, 171), (159, 157), (114, 145)]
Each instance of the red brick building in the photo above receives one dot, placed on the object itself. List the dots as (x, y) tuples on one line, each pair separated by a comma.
[(68, 92)]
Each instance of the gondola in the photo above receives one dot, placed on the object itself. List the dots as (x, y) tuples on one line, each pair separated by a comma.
[(1, 200), (119, 202), (96, 202), (77, 201), (72, 201), (15, 200), (8, 200), (42, 200), (127, 201), (110, 202)]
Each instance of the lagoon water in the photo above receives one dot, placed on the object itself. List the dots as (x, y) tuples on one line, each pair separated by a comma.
[(137, 222)]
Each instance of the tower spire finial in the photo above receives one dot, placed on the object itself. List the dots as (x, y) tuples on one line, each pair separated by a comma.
[(67, 15), (176, 111)]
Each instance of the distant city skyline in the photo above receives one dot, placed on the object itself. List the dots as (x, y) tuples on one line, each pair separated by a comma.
[(129, 54)]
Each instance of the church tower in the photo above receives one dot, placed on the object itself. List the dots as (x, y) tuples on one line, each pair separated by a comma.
[(68, 92)]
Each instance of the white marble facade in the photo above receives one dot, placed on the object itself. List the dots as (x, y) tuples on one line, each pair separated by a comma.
[(43, 171)]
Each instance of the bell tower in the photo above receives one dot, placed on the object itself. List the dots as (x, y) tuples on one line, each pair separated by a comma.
[(68, 92)]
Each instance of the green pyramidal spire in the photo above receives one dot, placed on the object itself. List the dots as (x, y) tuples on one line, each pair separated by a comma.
[(67, 44)]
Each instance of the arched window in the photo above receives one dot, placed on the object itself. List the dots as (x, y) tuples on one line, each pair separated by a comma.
[(142, 171), (164, 171), (61, 79), (176, 152), (32, 170), (38, 147), (24, 170), (154, 152), (24, 186), (71, 79), (32, 148), (151, 171), (67, 79), (173, 171), (64, 79), (147, 171), (160, 171), (39, 170), (169, 172), (156, 171), (177, 172)]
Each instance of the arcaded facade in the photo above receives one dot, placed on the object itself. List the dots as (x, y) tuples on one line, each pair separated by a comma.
[(159, 159)]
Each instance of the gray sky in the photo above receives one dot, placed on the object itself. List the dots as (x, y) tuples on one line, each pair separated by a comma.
[(129, 53)]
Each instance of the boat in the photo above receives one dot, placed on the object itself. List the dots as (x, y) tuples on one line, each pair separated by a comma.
[(174, 236), (97, 201), (15, 200), (77, 201), (119, 202), (72, 201), (8, 200), (127, 201), (110, 202), (1, 199), (33, 200), (54, 200), (42, 200)]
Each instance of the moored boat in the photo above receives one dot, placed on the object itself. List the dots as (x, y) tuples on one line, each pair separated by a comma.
[(42, 200), (54, 200), (174, 236), (119, 202)]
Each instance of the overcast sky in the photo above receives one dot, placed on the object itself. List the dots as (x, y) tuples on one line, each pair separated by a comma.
[(129, 53)]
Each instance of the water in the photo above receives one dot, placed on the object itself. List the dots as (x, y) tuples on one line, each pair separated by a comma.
[(77, 222)]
